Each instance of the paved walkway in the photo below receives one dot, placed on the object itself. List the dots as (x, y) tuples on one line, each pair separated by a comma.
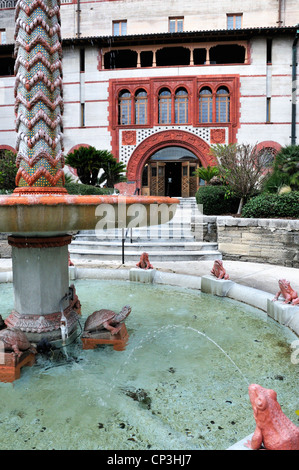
[(260, 276)]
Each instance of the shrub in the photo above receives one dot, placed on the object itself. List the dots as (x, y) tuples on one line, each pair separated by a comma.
[(8, 170), (285, 170), (272, 206), (86, 189), (215, 201)]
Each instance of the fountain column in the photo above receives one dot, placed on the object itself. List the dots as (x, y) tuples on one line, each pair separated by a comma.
[(40, 260), (40, 215)]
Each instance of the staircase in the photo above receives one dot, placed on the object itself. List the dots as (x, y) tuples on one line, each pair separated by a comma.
[(173, 241)]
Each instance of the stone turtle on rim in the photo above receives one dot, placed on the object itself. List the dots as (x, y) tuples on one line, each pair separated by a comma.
[(16, 341), (106, 320)]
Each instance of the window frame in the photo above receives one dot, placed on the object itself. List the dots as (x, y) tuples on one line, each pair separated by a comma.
[(176, 20), (234, 17), (209, 100), (220, 100), (181, 104), (3, 37), (160, 102), (166, 99), (138, 106), (124, 103), (120, 24)]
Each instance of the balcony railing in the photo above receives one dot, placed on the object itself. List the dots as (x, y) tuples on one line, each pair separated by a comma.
[(4, 4)]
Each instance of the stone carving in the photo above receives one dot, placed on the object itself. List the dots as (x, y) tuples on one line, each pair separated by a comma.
[(16, 341), (289, 294), (129, 138), (274, 430), (218, 270), (50, 322), (105, 320), (217, 136), (144, 262)]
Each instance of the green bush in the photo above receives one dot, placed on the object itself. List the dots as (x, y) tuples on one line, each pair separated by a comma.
[(215, 201), (8, 170), (285, 171), (272, 206), (86, 189)]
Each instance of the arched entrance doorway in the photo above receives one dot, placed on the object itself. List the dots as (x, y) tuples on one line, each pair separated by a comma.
[(170, 172), (156, 156)]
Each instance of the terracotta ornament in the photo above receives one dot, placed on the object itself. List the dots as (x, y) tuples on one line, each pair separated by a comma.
[(218, 270), (106, 320), (289, 294), (144, 262), (274, 430)]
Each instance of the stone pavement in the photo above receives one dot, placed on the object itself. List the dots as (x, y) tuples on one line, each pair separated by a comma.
[(259, 276)]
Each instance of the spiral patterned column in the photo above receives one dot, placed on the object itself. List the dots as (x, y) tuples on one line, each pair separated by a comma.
[(38, 97)]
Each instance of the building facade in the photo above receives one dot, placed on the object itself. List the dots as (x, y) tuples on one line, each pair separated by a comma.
[(158, 83)]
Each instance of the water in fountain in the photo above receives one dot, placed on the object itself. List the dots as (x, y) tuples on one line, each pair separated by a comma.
[(181, 383)]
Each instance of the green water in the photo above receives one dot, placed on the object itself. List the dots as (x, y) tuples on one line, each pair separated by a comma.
[(182, 382)]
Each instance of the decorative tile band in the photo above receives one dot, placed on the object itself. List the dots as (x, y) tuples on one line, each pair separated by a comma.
[(38, 96)]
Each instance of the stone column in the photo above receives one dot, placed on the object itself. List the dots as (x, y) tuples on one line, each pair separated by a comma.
[(40, 261), (41, 287)]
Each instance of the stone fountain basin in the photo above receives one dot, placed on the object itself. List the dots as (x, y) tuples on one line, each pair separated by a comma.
[(48, 215)]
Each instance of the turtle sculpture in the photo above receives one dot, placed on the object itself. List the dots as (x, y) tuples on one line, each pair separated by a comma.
[(106, 320), (16, 341)]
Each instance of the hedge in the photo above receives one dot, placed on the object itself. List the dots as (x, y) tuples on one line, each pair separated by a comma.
[(214, 201), (76, 188), (86, 189), (272, 206)]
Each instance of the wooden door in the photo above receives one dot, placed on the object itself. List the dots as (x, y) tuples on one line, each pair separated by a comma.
[(157, 179), (185, 179), (193, 180)]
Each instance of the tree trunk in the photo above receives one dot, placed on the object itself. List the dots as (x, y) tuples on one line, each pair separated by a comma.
[(240, 205)]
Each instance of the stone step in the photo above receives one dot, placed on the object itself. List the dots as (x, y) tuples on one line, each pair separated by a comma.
[(152, 233), (154, 256), (150, 246)]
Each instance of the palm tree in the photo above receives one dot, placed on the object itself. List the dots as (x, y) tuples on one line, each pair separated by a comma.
[(114, 171), (88, 162), (207, 173)]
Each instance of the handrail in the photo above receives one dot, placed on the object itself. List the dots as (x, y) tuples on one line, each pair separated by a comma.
[(124, 237)]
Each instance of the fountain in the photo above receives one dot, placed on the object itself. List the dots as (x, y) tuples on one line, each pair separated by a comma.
[(181, 383), (40, 215), (39, 218)]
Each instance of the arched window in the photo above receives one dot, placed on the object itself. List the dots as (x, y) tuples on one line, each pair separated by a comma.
[(124, 106), (222, 105), (141, 107), (164, 106), (181, 106), (205, 105)]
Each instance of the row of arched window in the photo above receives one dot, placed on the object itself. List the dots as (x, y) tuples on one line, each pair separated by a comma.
[(213, 106)]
